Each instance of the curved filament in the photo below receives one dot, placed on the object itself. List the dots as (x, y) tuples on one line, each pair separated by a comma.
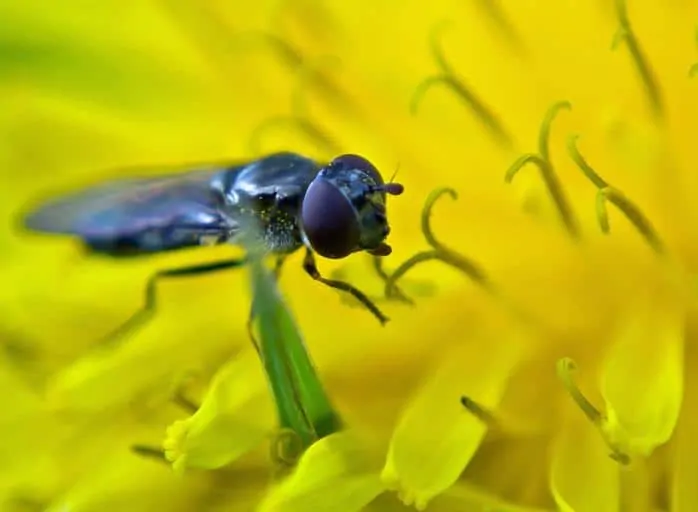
[(551, 183), (647, 76), (439, 251), (546, 127), (447, 78), (609, 194)]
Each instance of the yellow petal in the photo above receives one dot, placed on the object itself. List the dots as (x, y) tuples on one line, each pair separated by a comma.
[(684, 491), (465, 497), (335, 474), (583, 477), (235, 416), (436, 436), (642, 379), (125, 481)]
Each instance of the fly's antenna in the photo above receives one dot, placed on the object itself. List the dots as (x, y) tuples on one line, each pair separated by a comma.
[(392, 178), (392, 188)]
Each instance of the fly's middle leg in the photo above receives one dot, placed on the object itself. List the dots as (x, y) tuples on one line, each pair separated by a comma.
[(144, 314), (310, 267)]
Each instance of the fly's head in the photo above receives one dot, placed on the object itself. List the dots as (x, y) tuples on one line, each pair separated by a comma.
[(344, 210)]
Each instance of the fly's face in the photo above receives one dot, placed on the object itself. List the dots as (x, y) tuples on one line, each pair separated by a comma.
[(344, 211)]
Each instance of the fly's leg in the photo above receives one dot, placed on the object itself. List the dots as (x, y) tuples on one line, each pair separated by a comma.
[(310, 267), (253, 310), (396, 293), (148, 310)]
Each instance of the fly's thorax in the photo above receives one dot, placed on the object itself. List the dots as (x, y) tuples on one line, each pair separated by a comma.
[(282, 233), (269, 220)]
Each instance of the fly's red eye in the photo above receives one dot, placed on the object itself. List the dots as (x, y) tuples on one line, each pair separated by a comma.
[(329, 220)]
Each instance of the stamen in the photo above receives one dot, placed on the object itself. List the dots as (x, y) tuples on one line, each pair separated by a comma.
[(440, 252), (184, 402), (602, 213), (447, 78), (635, 216), (479, 411), (305, 126), (149, 452), (300, 118), (546, 126), (293, 58), (588, 171), (649, 80), (565, 367), (397, 293), (551, 183), (307, 75), (607, 193), (289, 55), (433, 197), (493, 10)]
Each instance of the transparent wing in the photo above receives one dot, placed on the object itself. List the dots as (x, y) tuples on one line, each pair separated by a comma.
[(140, 214)]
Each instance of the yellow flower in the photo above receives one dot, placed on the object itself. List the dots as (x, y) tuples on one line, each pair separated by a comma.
[(547, 360)]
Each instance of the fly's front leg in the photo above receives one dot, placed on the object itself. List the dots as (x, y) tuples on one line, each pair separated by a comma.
[(253, 310), (310, 267), (148, 310)]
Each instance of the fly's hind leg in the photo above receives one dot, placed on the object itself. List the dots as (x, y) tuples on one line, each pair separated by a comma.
[(253, 309), (310, 267), (144, 314)]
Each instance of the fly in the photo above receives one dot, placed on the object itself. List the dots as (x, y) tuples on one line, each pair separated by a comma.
[(293, 202)]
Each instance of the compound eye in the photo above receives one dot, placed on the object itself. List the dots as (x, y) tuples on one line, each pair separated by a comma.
[(356, 162), (329, 220)]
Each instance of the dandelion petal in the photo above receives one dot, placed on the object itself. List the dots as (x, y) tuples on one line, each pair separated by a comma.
[(235, 417), (583, 477), (642, 380), (436, 436), (684, 491), (333, 475)]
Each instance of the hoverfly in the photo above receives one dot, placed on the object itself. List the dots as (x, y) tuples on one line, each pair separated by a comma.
[(333, 209)]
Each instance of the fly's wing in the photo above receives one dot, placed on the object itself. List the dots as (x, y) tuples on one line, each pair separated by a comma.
[(142, 215)]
